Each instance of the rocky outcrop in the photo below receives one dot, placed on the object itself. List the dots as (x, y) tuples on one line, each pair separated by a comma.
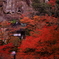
[(16, 6), (1, 18)]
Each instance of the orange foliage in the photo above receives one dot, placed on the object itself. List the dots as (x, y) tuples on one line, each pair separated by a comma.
[(43, 41), (38, 22)]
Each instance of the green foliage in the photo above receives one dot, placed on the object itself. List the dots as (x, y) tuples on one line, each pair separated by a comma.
[(57, 1), (45, 8), (13, 21), (36, 1), (35, 5), (41, 7), (27, 32)]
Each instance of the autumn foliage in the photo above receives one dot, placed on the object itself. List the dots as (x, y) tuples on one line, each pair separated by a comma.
[(52, 2), (43, 42), (42, 34)]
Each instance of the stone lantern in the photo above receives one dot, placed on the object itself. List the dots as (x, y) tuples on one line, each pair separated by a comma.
[(13, 53)]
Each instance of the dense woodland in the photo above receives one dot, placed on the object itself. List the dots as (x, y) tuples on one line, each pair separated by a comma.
[(39, 33)]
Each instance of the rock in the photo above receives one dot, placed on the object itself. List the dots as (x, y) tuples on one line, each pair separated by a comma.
[(1, 18), (13, 6)]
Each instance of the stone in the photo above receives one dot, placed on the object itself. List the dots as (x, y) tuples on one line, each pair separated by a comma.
[(16, 6)]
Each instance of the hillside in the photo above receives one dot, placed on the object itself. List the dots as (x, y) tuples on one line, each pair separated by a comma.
[(29, 29)]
